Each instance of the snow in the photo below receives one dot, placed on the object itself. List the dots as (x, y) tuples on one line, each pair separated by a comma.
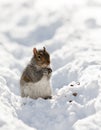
[(70, 30)]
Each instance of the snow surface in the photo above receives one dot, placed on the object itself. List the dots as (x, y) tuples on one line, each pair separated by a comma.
[(71, 32)]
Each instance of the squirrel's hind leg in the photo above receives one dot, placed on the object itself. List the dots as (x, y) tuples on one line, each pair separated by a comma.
[(22, 92), (48, 97)]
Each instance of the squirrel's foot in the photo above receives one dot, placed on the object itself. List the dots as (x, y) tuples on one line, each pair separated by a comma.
[(48, 97)]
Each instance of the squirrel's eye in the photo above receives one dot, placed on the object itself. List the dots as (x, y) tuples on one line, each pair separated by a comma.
[(39, 57)]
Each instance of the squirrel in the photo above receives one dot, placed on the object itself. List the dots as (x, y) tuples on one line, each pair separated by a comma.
[(35, 79)]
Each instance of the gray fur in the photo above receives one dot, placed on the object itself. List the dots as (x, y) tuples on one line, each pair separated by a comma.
[(35, 73)]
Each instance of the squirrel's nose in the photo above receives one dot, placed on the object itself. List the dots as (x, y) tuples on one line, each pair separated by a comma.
[(48, 62)]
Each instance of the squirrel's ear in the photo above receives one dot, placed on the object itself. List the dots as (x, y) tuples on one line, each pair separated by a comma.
[(34, 51), (44, 48)]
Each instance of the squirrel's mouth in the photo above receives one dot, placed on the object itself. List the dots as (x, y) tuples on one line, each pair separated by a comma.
[(45, 65)]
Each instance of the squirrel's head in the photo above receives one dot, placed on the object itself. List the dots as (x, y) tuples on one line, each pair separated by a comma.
[(42, 57)]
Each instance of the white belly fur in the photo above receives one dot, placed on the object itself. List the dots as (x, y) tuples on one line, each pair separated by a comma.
[(39, 89)]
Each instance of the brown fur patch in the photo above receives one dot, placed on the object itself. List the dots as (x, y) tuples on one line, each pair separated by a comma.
[(27, 79)]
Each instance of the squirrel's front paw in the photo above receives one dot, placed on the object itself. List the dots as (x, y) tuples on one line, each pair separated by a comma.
[(49, 70)]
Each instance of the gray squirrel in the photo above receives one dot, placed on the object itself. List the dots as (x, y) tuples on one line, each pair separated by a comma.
[(35, 79)]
